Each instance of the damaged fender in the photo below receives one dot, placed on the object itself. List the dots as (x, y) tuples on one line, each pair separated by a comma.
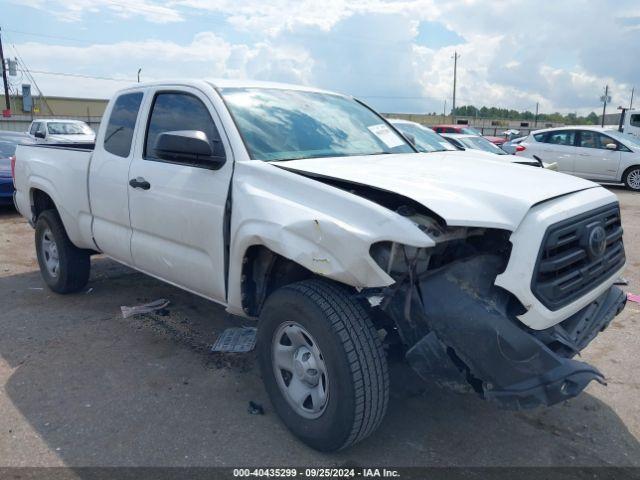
[(324, 229)]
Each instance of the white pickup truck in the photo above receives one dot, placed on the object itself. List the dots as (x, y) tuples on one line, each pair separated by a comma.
[(307, 210)]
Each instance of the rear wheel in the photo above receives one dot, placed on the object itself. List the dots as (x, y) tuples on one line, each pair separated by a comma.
[(323, 364), (631, 178), (64, 267)]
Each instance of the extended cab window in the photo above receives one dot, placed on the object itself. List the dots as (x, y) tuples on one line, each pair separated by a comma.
[(175, 111), (119, 134), (635, 120)]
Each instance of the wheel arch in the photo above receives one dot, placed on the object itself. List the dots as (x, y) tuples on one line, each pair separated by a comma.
[(627, 170)]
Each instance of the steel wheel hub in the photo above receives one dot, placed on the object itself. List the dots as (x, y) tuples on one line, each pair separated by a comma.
[(50, 253), (300, 370)]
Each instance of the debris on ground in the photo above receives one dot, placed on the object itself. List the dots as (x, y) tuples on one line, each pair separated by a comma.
[(621, 281), (632, 297), (236, 340), (255, 408), (151, 307)]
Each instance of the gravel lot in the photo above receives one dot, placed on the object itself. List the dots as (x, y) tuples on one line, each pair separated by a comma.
[(80, 386)]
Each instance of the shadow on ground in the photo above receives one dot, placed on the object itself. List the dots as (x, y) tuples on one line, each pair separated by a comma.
[(94, 389)]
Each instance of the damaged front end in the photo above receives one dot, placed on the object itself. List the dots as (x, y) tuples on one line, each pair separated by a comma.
[(461, 330)]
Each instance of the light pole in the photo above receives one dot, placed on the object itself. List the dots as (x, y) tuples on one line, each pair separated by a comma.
[(605, 98), (455, 77)]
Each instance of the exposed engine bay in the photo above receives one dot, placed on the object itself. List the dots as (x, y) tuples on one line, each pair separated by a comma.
[(461, 330)]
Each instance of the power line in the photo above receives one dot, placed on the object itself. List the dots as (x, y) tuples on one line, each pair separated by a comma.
[(25, 69), (79, 75), (42, 35)]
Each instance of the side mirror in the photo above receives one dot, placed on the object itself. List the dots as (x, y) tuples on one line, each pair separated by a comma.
[(39, 134), (191, 147), (611, 146)]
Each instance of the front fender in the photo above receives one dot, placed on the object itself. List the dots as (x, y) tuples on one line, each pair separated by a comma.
[(326, 230)]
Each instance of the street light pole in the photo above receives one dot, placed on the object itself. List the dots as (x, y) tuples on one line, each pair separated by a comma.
[(455, 77), (631, 102), (604, 103)]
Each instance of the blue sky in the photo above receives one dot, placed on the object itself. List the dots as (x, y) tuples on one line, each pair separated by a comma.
[(393, 54)]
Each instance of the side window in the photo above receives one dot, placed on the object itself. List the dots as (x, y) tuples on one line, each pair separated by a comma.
[(539, 137), (34, 127), (635, 120), (591, 139), (561, 137), (174, 111), (41, 128), (119, 133)]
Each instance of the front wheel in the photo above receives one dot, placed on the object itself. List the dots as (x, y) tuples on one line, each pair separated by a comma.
[(64, 267), (323, 364), (632, 178)]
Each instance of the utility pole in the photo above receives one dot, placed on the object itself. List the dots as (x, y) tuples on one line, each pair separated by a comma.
[(455, 77), (604, 98), (631, 102), (444, 110), (7, 112), (535, 118)]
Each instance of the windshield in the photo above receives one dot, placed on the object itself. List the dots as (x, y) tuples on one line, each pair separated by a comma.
[(68, 128), (470, 131), (426, 140), (281, 125), (481, 143), (624, 137)]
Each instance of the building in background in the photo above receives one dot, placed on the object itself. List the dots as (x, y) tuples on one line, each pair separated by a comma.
[(89, 110)]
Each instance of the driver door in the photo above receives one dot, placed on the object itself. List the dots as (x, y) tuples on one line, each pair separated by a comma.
[(177, 209)]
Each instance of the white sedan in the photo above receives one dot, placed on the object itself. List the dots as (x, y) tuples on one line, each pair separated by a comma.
[(481, 144), (588, 152)]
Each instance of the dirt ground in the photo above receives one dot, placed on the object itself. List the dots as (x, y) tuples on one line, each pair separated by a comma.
[(80, 386)]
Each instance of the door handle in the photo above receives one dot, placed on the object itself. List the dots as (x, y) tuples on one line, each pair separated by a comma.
[(140, 182)]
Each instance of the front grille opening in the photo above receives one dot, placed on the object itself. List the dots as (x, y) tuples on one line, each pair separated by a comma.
[(565, 269)]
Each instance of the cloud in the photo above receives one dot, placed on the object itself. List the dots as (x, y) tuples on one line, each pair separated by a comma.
[(395, 54), (76, 10)]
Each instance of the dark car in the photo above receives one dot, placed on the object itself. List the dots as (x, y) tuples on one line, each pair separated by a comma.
[(8, 143)]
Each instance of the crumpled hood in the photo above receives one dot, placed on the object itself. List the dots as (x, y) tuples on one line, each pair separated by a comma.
[(75, 138), (462, 188)]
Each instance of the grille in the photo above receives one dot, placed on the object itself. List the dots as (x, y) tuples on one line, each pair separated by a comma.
[(568, 265)]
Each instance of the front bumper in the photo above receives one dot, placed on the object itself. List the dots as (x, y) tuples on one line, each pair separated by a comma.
[(464, 331), (526, 241)]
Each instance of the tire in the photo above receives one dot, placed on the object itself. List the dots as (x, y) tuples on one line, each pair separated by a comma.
[(631, 178), (346, 347), (73, 263)]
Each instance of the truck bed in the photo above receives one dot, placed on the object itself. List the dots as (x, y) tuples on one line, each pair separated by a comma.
[(59, 171)]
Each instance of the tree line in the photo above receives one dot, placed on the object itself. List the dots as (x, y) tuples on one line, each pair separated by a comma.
[(509, 114)]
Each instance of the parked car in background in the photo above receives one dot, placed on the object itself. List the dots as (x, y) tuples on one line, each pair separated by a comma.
[(512, 145), (8, 144), (423, 138), (589, 152), (54, 130), (481, 144), (463, 129)]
